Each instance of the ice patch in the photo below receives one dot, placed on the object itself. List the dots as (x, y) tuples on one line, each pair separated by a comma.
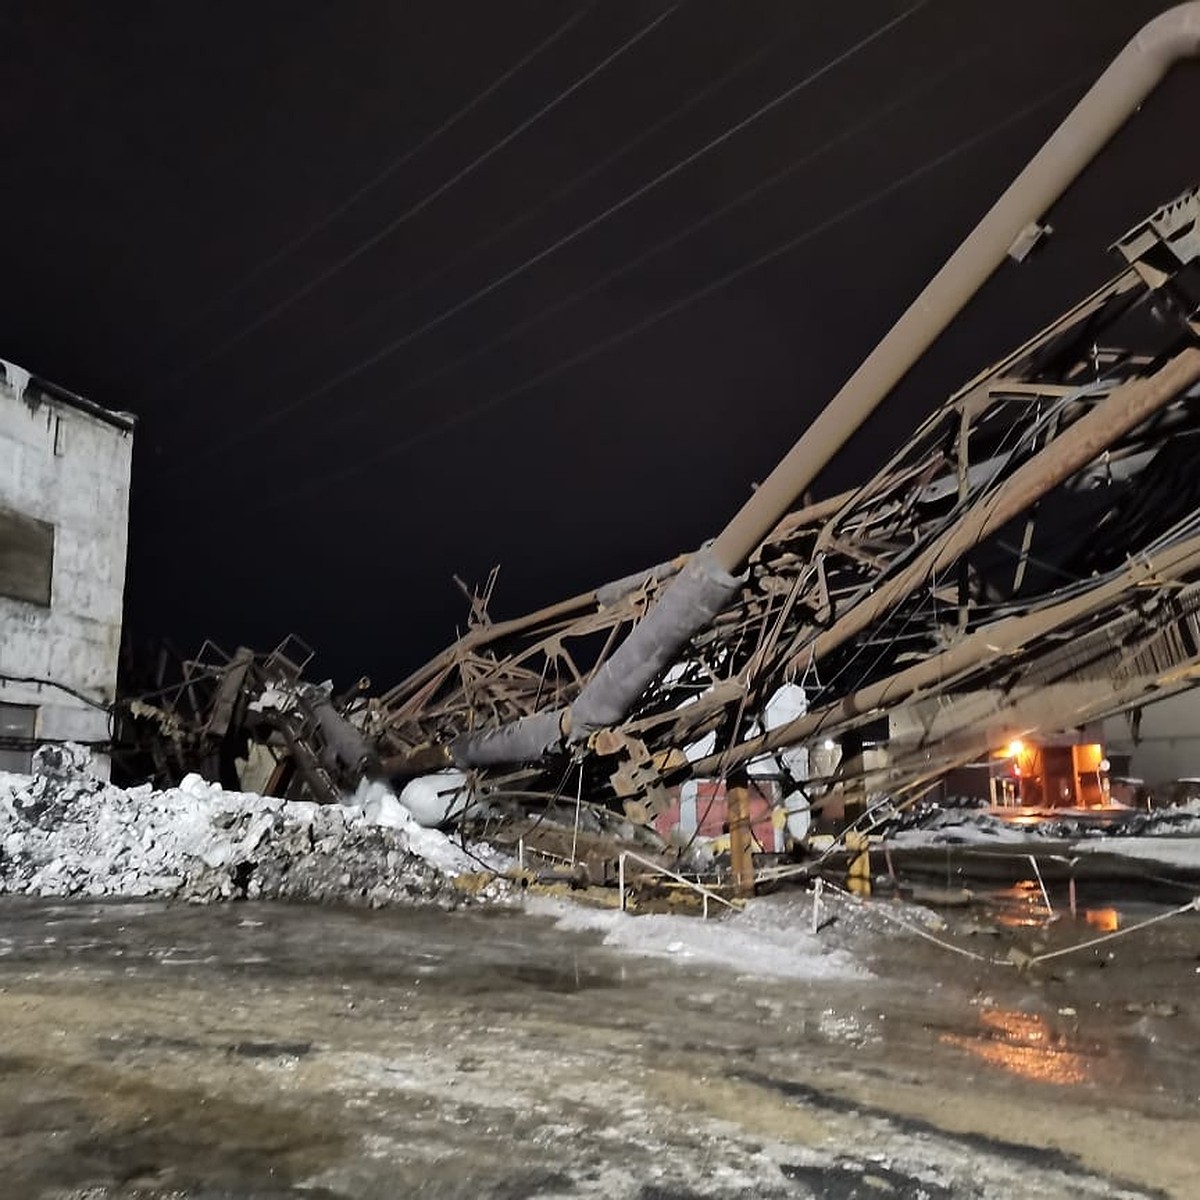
[(763, 939), (1179, 852)]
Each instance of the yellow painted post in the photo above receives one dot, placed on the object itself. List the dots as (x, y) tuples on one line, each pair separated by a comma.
[(859, 872)]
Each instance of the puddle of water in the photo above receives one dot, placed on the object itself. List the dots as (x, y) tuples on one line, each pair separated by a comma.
[(1103, 908), (1025, 1045)]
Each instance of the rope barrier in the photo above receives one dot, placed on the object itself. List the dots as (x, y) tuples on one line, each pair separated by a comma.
[(923, 933), (1191, 906)]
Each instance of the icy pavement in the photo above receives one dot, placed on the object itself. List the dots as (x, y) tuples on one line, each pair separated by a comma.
[(64, 832), (266, 1051)]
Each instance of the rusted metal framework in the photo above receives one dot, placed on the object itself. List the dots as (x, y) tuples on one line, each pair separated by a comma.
[(223, 708), (1026, 560), (1038, 527), (1009, 227)]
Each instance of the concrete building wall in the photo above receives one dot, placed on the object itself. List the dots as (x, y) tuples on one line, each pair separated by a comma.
[(66, 464), (1168, 739)]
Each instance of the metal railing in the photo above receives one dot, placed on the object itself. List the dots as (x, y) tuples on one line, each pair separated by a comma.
[(706, 894)]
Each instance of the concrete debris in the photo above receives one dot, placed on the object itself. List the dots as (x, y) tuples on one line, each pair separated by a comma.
[(64, 832)]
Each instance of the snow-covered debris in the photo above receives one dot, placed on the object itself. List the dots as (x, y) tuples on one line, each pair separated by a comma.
[(957, 827), (980, 827), (65, 832)]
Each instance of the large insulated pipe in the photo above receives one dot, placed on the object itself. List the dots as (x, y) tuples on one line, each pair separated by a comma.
[(1134, 73), (701, 590)]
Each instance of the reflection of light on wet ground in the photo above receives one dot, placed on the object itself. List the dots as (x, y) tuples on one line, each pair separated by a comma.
[(1101, 816), (1022, 1045), (1107, 920), (1020, 905)]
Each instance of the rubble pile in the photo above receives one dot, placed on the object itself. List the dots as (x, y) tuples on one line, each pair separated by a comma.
[(64, 832)]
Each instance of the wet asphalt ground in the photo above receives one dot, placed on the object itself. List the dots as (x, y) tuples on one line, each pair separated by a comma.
[(267, 1051)]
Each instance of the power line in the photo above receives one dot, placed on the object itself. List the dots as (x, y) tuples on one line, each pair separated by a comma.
[(522, 218), (625, 268), (685, 301), (244, 281), (567, 239), (322, 277)]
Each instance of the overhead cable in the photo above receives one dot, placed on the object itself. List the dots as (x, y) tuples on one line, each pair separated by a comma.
[(525, 217), (413, 210), (690, 298), (618, 206), (394, 165), (625, 268)]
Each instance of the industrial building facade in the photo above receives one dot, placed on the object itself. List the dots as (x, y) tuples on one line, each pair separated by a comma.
[(64, 519)]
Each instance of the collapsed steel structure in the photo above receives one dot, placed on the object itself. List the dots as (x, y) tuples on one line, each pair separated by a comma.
[(1026, 560), (1029, 559)]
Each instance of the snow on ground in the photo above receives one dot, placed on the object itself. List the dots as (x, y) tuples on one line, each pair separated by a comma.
[(1180, 853), (65, 832), (765, 938), (956, 827), (976, 827)]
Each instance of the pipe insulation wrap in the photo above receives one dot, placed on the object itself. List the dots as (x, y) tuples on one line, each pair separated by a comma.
[(695, 597), (525, 740), (612, 593)]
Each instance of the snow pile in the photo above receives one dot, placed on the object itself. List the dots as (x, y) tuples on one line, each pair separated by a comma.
[(1180, 820), (763, 939), (965, 827), (64, 832), (955, 827)]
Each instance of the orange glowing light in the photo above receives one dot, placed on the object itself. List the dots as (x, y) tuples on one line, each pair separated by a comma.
[(1023, 1045), (1107, 920), (1016, 748)]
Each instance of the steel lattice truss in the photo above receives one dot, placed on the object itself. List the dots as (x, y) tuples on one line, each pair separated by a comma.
[(1024, 561)]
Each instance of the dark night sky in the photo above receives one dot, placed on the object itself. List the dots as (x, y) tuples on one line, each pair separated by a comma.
[(290, 476)]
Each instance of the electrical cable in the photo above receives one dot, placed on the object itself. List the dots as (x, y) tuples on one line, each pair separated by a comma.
[(415, 209), (423, 143), (612, 209), (274, 416), (521, 219), (489, 403), (39, 681)]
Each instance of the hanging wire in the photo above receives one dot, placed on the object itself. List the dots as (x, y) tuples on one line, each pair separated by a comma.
[(523, 218), (490, 403), (390, 169), (273, 416), (413, 210)]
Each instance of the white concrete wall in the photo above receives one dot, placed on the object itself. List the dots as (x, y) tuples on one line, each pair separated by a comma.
[(84, 493), (1168, 745)]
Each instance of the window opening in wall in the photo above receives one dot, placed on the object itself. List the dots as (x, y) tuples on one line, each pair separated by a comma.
[(60, 437), (17, 722), (26, 558)]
